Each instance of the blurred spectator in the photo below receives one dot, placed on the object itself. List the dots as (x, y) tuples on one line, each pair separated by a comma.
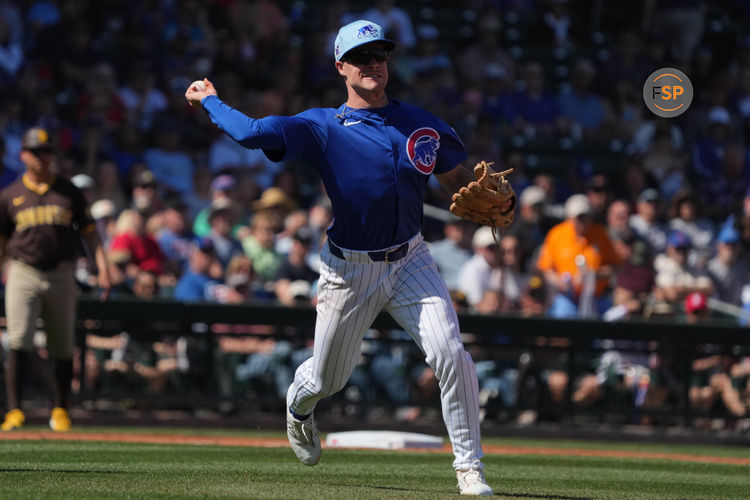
[(708, 151), (7, 175), (743, 95), (395, 22), (485, 50), (532, 223), (665, 163), (534, 298), (321, 217), (171, 166), (86, 184), (292, 223), (98, 105), (686, 218), (535, 109), (259, 246), (727, 270), (740, 220), (227, 154), (175, 238), (107, 184), (240, 275), (723, 194), (583, 108), (199, 283), (222, 190), (105, 213), (618, 228), (577, 259), (142, 99), (426, 57), (556, 25), (200, 196), (11, 52), (490, 303), (132, 249), (11, 14), (221, 220), (498, 97), (513, 278), (453, 251), (675, 277), (289, 183), (276, 204), (295, 276), (482, 272), (145, 199), (599, 194), (711, 381), (634, 281), (627, 110), (145, 285), (644, 137), (126, 150), (680, 24), (645, 222)]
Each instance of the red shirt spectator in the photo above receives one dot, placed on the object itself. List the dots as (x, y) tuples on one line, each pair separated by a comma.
[(132, 247)]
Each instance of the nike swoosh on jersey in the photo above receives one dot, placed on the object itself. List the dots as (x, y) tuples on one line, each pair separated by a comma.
[(349, 124)]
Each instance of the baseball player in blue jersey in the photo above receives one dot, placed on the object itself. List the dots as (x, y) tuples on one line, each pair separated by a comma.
[(375, 155)]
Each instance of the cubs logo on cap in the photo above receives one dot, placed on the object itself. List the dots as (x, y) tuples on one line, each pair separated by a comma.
[(421, 147), (359, 33)]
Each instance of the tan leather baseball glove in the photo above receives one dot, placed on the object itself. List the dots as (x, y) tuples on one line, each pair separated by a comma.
[(485, 200)]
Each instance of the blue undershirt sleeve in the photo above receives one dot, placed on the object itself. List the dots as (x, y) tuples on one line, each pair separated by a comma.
[(280, 137), (253, 134)]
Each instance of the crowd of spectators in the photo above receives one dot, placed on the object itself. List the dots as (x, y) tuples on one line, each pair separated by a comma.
[(620, 213)]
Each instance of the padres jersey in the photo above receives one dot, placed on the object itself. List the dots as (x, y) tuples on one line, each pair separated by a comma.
[(374, 163), (41, 223)]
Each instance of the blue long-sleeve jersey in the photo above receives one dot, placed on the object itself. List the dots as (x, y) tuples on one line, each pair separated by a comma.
[(374, 163)]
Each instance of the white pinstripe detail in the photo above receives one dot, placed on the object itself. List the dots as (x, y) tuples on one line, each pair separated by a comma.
[(351, 293)]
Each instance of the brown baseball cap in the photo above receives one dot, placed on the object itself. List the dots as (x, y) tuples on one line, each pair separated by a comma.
[(36, 138)]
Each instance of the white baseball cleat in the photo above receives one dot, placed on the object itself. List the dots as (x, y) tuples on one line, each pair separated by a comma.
[(472, 482), (304, 438)]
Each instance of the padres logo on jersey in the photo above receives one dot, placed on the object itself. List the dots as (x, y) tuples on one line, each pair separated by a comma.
[(43, 215), (421, 147)]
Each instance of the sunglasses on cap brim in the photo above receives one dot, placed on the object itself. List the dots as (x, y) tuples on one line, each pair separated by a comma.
[(364, 56)]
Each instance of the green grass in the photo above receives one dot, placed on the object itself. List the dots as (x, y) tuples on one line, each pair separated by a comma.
[(59, 469)]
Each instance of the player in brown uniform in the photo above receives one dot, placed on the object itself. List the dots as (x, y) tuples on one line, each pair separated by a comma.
[(41, 218)]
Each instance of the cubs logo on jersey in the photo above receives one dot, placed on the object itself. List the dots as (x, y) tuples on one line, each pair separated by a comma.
[(421, 147)]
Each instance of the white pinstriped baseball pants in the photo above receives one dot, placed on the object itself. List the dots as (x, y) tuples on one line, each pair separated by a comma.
[(351, 293)]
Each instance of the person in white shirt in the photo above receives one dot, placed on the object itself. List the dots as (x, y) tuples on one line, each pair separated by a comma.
[(645, 221), (728, 270), (482, 272), (675, 278)]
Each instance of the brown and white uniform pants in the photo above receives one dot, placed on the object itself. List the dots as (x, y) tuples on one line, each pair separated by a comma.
[(31, 293)]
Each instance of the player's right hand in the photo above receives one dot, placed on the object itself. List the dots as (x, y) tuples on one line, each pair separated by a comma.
[(194, 96)]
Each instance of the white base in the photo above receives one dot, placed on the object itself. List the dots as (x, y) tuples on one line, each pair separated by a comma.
[(383, 440)]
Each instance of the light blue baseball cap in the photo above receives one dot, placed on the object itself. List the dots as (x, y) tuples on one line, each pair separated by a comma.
[(359, 33)]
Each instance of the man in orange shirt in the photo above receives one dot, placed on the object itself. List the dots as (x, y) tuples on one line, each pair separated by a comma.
[(574, 249)]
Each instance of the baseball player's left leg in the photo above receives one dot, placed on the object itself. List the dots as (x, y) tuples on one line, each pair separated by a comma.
[(349, 297), (422, 306), (22, 307), (58, 312)]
